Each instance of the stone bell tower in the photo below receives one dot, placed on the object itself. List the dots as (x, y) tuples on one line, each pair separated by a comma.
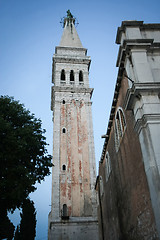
[(74, 205)]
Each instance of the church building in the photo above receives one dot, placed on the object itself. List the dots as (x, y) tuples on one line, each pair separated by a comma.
[(128, 184), (74, 199)]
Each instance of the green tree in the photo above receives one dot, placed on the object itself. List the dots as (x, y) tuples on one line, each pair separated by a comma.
[(6, 226), (27, 228), (24, 159)]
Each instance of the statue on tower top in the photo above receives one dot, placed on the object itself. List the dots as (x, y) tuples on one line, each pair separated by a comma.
[(69, 14), (68, 19)]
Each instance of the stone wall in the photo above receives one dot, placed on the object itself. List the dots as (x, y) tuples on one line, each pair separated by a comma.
[(126, 206), (79, 229)]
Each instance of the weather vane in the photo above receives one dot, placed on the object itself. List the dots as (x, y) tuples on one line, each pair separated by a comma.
[(69, 16)]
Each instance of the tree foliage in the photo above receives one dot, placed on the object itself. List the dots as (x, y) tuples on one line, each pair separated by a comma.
[(24, 159), (27, 228), (6, 226)]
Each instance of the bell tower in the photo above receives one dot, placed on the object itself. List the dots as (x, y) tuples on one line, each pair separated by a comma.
[(74, 204)]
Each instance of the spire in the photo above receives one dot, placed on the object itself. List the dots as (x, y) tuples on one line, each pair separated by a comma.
[(70, 36)]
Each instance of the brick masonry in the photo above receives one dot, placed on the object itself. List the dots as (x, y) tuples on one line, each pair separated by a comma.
[(126, 205)]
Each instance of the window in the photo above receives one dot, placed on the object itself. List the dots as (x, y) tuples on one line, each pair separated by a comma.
[(101, 186), (71, 76), (63, 130), (64, 167), (120, 126), (80, 77), (63, 78), (107, 166), (65, 212)]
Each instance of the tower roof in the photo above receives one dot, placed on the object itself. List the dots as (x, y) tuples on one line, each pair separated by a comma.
[(70, 36)]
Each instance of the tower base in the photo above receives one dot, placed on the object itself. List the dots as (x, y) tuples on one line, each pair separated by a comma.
[(79, 228)]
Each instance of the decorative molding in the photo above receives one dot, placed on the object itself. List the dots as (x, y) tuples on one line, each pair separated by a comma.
[(71, 49), (137, 90), (72, 89), (123, 26), (145, 120), (130, 44), (70, 59)]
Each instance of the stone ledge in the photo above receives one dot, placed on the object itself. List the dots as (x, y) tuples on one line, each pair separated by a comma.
[(76, 219), (146, 119), (131, 23), (129, 44), (72, 89), (71, 48), (137, 90), (68, 59), (134, 23)]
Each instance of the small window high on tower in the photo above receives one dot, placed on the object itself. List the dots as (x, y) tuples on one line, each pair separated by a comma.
[(80, 77), (63, 77), (71, 76)]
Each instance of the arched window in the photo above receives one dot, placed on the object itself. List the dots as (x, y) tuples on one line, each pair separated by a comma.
[(63, 77), (101, 186), (65, 210), (120, 126), (63, 130), (107, 166), (71, 76), (64, 167), (80, 77)]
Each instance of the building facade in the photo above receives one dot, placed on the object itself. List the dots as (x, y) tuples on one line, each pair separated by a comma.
[(74, 203), (128, 184)]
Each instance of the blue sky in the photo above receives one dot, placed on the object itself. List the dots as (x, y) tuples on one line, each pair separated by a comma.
[(30, 30)]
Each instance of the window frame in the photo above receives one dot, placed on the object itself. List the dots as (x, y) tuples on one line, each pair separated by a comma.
[(72, 77), (101, 186), (63, 130), (81, 81), (64, 166), (63, 81), (108, 167), (120, 126)]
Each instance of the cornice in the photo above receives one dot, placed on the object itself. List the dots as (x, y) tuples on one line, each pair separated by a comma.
[(150, 26), (112, 112), (71, 59), (137, 90), (138, 24), (145, 120), (133, 44), (71, 48), (73, 89), (56, 89), (132, 23)]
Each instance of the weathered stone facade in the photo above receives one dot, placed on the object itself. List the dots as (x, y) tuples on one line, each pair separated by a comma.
[(129, 181), (74, 203)]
